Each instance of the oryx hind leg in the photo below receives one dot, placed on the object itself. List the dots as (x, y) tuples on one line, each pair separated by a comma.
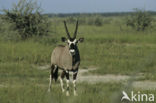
[(61, 80), (53, 68), (74, 82)]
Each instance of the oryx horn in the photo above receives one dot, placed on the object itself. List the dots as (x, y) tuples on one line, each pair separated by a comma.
[(75, 33), (66, 30)]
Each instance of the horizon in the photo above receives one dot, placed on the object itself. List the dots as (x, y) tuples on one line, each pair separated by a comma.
[(87, 6), (118, 12)]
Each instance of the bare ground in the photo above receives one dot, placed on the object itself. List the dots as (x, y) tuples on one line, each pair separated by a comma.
[(146, 85), (84, 76)]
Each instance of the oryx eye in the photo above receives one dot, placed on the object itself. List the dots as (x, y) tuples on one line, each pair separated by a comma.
[(76, 41)]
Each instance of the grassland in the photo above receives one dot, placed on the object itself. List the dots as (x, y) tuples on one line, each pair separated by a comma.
[(112, 49)]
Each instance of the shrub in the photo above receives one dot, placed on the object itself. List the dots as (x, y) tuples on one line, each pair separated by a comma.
[(98, 21), (26, 16), (140, 20), (71, 19)]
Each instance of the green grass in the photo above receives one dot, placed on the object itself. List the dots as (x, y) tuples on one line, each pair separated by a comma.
[(36, 92), (108, 48), (28, 91)]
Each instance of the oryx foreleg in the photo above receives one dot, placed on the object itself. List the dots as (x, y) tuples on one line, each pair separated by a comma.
[(74, 82), (61, 80)]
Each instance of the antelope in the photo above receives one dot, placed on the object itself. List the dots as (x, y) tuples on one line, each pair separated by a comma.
[(66, 58)]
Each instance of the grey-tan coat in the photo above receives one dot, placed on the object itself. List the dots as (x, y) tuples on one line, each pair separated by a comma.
[(67, 58)]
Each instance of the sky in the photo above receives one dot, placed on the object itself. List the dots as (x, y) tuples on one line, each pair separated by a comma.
[(88, 6)]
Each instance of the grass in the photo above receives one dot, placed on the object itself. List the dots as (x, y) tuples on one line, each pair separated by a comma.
[(110, 49), (30, 91), (37, 92)]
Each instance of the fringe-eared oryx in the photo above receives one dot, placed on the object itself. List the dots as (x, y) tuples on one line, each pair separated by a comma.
[(66, 58)]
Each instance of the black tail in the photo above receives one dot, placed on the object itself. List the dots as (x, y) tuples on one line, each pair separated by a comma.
[(54, 73)]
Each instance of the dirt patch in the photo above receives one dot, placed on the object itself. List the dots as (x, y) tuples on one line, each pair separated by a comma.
[(44, 67), (2, 86), (104, 78), (145, 85), (99, 78), (83, 76), (109, 78)]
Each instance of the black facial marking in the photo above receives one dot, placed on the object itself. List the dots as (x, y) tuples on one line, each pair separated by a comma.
[(72, 39), (72, 46)]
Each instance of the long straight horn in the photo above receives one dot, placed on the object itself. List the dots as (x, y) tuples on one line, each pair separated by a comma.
[(66, 30), (76, 29)]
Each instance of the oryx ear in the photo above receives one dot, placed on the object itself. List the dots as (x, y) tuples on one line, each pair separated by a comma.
[(81, 40), (64, 39)]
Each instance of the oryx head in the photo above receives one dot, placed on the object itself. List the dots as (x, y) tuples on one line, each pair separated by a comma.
[(72, 41)]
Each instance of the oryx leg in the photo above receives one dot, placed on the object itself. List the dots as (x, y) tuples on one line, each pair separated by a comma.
[(50, 78), (74, 82), (61, 80), (67, 81), (53, 68)]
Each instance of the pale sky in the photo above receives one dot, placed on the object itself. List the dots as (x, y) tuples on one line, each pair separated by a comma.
[(88, 6)]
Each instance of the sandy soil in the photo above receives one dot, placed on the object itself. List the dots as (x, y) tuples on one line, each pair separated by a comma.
[(84, 76)]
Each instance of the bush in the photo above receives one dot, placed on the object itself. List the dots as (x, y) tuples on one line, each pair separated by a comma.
[(26, 16), (8, 31), (71, 19), (140, 20), (98, 21)]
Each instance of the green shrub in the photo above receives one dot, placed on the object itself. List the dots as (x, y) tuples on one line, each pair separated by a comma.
[(27, 18), (140, 20), (98, 21), (71, 19)]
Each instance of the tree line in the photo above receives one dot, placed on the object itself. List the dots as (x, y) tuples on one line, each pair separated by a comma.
[(27, 18)]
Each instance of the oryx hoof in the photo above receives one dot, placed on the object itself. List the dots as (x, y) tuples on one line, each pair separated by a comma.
[(67, 93), (49, 90), (63, 90), (75, 94)]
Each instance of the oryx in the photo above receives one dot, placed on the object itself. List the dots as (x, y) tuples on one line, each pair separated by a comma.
[(66, 58)]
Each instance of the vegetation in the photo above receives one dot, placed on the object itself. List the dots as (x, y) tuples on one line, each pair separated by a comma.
[(111, 47), (27, 18), (140, 20)]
